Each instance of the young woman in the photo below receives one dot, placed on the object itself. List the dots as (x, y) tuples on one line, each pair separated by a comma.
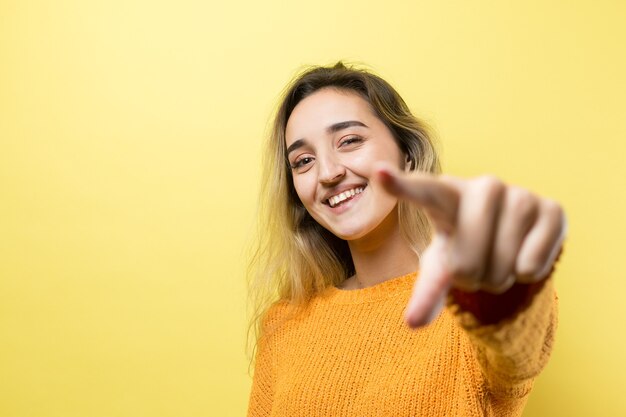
[(362, 245)]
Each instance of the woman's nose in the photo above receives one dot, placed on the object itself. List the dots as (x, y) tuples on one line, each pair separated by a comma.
[(330, 170)]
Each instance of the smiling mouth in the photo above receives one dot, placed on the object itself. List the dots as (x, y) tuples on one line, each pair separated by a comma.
[(341, 198)]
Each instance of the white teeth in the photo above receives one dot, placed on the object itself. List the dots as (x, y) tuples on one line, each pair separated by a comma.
[(334, 200)]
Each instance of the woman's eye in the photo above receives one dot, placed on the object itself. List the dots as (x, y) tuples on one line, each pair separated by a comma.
[(299, 163), (349, 140)]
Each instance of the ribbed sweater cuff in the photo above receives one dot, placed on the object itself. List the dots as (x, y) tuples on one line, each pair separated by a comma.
[(515, 349)]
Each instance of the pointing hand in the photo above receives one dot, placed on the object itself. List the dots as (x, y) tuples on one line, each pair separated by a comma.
[(488, 236)]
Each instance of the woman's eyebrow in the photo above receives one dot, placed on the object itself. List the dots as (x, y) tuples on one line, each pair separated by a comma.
[(295, 145), (336, 127), (344, 125)]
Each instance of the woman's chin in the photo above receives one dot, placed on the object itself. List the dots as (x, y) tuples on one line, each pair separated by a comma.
[(350, 233), (376, 228)]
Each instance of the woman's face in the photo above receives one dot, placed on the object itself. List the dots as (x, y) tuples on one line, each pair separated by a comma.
[(333, 141)]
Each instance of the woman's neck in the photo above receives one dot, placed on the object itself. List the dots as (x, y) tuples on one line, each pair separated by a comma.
[(381, 255)]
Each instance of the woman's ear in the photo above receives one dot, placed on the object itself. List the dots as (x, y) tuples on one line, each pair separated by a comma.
[(408, 161)]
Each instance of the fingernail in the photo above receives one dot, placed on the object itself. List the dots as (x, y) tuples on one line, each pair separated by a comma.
[(384, 171), (411, 318), (413, 322)]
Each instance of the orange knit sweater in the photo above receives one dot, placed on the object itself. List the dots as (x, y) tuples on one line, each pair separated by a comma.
[(349, 353)]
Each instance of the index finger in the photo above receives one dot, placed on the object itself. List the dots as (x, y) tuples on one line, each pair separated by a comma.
[(438, 198), (432, 285)]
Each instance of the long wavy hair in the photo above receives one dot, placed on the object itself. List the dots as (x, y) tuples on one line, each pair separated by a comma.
[(294, 257)]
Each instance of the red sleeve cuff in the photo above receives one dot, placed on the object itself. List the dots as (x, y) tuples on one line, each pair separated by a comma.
[(490, 308)]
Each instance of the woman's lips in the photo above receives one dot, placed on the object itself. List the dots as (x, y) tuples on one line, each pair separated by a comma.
[(346, 204), (344, 196)]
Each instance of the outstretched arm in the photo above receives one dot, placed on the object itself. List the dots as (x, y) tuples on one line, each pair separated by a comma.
[(489, 236), (493, 251)]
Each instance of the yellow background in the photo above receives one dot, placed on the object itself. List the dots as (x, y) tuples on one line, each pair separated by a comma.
[(129, 165)]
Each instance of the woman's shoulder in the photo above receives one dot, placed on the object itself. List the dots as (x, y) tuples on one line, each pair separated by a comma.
[(275, 316), (276, 311), (283, 312)]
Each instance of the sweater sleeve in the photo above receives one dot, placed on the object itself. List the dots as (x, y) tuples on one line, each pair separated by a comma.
[(513, 349)]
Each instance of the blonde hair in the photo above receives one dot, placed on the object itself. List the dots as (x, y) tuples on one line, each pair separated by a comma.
[(294, 257)]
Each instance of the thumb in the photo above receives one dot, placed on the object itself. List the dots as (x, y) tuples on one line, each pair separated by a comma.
[(432, 285)]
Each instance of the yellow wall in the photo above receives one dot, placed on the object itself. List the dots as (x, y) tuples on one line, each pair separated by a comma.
[(129, 140)]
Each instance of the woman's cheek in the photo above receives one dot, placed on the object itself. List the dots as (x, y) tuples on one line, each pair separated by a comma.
[(305, 190)]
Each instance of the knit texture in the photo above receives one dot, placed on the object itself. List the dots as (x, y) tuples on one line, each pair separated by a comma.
[(349, 353)]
